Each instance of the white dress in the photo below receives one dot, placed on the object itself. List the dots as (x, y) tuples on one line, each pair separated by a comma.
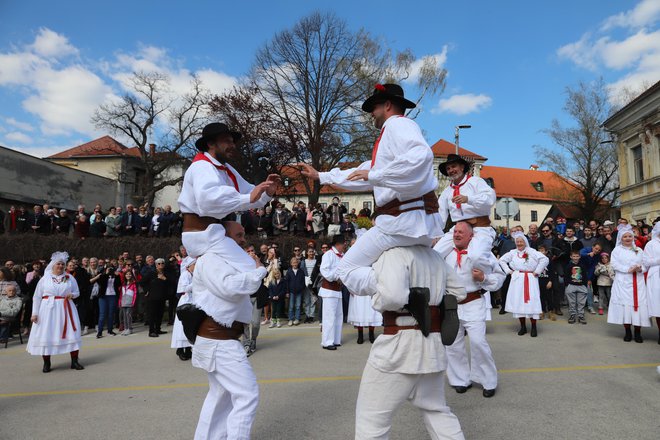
[(179, 339), (521, 264), (361, 314), (622, 302), (651, 261), (57, 330)]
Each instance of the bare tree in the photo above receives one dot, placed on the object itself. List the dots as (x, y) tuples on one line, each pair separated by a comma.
[(311, 80), (150, 114), (585, 154)]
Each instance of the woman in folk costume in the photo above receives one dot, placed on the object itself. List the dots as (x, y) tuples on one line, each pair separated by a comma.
[(651, 261), (523, 299), (56, 326), (628, 303), (184, 288)]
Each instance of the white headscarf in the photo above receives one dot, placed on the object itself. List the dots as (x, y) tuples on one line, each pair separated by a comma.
[(656, 230), (623, 230), (519, 234), (56, 257)]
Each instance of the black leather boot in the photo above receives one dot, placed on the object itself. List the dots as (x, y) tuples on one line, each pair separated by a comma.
[(372, 336), (523, 330), (628, 336), (75, 365), (360, 339), (638, 335), (46, 368)]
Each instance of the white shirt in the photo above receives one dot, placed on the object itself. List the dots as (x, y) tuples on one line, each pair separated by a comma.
[(481, 199), (515, 260), (494, 278), (329, 263), (222, 291), (52, 286), (209, 192), (397, 270), (403, 170), (110, 288)]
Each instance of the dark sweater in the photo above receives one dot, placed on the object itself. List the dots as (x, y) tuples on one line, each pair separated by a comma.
[(295, 283), (575, 274)]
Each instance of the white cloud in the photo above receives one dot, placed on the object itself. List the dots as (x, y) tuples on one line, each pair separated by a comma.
[(645, 13), (217, 82), (464, 104), (436, 60), (18, 124), (50, 44), (636, 55), (18, 137), (16, 68)]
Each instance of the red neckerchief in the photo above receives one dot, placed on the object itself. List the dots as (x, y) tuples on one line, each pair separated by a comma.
[(459, 255), (457, 189), (373, 154), (339, 254), (232, 176)]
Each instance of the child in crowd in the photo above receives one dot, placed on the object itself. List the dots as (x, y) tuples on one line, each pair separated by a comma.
[(547, 284), (127, 296), (604, 279), (575, 280), (10, 307), (277, 294), (295, 287)]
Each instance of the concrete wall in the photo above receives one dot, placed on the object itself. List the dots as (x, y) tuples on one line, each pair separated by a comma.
[(30, 180)]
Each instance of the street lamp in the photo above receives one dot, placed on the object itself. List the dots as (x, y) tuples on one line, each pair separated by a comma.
[(458, 127)]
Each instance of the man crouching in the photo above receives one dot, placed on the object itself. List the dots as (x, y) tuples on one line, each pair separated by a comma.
[(403, 363), (223, 293)]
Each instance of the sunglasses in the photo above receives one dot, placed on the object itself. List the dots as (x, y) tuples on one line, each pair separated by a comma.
[(296, 250)]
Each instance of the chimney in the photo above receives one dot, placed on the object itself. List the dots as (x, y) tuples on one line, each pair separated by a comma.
[(534, 167), (152, 150)]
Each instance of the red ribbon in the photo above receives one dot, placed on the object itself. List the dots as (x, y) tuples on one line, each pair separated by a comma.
[(635, 299), (68, 314), (526, 294), (459, 255), (457, 190), (375, 151), (232, 176)]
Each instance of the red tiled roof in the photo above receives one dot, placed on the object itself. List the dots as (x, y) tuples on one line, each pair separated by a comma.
[(103, 146), (443, 148), (520, 183)]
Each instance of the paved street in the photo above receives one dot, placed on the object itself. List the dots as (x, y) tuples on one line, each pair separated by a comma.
[(577, 382)]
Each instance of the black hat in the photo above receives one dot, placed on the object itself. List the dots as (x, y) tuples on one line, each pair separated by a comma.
[(213, 129), (386, 92), (453, 158)]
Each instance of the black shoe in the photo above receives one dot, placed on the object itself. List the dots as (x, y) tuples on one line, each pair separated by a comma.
[(330, 347), (372, 336), (522, 331), (489, 393), (112, 333), (628, 336), (571, 320), (533, 332), (182, 356), (161, 332), (187, 352), (153, 335), (75, 365), (582, 321), (461, 389), (638, 337), (502, 311), (46, 368), (360, 339), (337, 345), (99, 336), (558, 312)]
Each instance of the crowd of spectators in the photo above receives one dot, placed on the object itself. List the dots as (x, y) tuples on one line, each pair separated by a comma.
[(271, 221)]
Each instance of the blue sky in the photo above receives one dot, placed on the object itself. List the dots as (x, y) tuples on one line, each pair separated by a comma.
[(508, 62)]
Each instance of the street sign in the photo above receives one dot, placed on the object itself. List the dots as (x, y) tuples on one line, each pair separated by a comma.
[(507, 207)]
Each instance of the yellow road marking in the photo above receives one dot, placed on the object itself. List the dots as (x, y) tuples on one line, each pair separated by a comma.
[(307, 380)]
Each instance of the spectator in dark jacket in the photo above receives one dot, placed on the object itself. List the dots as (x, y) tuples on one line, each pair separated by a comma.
[(158, 288), (109, 285), (11, 221), (24, 220), (129, 221), (63, 224), (277, 294), (81, 227), (166, 220), (98, 228), (144, 222), (40, 223), (295, 286)]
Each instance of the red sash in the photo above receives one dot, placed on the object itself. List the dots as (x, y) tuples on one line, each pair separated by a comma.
[(68, 314), (526, 294), (232, 176), (457, 189), (635, 299)]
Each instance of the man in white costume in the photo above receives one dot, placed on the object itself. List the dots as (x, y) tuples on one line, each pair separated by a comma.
[(400, 173), (212, 189), (403, 364), (479, 276), (330, 291), (223, 292), (467, 198)]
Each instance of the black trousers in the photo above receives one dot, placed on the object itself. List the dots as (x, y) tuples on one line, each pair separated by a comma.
[(155, 309), (504, 290)]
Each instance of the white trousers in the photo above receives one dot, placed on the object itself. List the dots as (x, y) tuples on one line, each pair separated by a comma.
[(333, 319), (481, 367), (381, 394), (355, 270), (231, 403), (481, 243)]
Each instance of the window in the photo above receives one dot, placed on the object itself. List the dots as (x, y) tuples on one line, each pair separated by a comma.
[(638, 164), (139, 183), (535, 216), (538, 186), (497, 217), (490, 182), (516, 217), (366, 205)]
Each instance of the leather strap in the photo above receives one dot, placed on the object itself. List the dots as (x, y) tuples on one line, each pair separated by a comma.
[(331, 285), (478, 222), (473, 296), (390, 327), (393, 208), (212, 330)]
